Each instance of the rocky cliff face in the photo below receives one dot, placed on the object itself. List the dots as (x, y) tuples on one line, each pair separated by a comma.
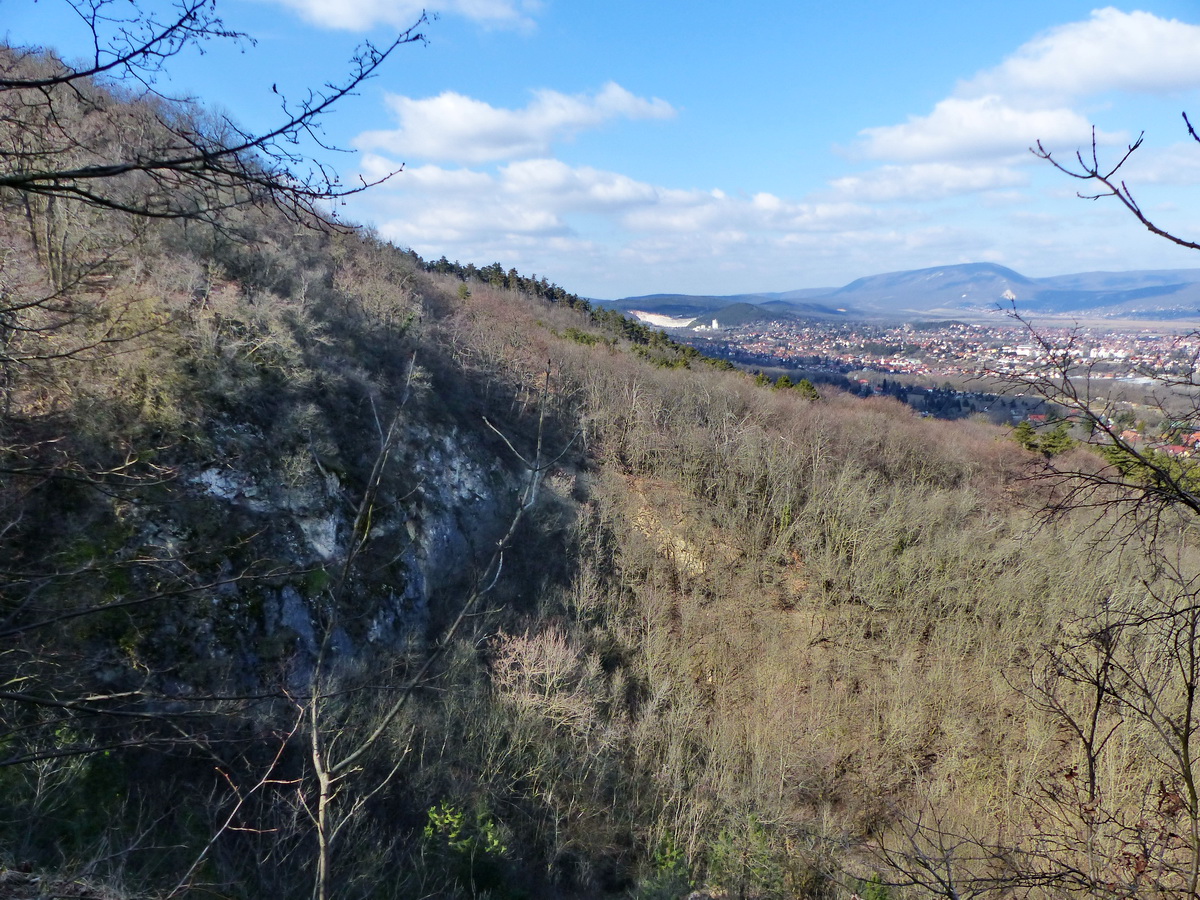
[(283, 561)]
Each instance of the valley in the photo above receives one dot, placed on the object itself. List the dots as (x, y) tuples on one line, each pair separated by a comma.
[(970, 292), (331, 570), (951, 368), (951, 349)]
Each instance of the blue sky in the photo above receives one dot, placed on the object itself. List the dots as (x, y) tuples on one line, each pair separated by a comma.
[(624, 147)]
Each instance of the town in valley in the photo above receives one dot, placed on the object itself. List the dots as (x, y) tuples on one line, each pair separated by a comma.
[(955, 369)]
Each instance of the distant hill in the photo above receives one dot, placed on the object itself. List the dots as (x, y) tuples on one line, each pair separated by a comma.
[(972, 291), (982, 287), (946, 290)]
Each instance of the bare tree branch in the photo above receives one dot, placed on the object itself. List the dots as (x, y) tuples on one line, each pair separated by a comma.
[(177, 165), (1090, 169)]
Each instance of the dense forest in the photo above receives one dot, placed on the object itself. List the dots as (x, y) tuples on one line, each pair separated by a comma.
[(326, 570)]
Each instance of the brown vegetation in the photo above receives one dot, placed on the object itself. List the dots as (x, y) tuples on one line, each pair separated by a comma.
[(256, 487)]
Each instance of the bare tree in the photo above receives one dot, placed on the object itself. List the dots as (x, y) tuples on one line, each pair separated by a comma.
[(1130, 663), (1148, 485), (338, 751), (1107, 177), (102, 133), (1119, 816)]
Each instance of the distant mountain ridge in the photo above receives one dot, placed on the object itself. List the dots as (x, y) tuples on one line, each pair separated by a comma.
[(970, 290)]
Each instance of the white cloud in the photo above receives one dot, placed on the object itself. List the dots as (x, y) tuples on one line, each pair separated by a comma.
[(458, 128), (697, 217), (360, 15), (528, 196), (525, 199), (583, 188), (423, 178), (465, 221), (979, 127), (1031, 95), (926, 181), (523, 209), (1177, 164), (695, 212), (1113, 50)]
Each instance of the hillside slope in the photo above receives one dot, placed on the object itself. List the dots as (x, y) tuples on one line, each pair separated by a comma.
[(706, 636), (327, 569)]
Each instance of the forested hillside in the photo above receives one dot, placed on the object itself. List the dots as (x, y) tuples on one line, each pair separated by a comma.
[(326, 570)]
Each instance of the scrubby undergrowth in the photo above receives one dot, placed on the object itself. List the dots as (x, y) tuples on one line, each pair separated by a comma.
[(250, 476)]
